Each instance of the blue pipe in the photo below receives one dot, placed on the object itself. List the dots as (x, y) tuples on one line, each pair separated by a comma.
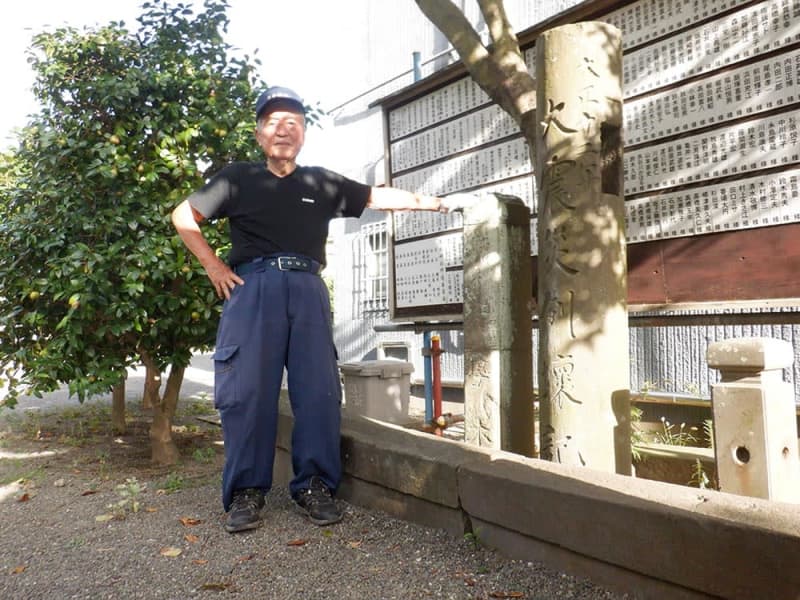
[(417, 69), (428, 368)]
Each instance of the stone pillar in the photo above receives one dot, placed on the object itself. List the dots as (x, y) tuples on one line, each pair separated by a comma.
[(755, 422), (498, 353), (584, 376)]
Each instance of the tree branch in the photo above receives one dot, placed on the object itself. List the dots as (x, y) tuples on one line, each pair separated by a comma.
[(454, 25), (503, 38), (501, 73)]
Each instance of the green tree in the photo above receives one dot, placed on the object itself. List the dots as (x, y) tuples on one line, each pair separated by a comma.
[(94, 277)]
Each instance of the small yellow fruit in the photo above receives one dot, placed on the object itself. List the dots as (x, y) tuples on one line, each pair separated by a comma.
[(114, 139), (34, 295), (195, 316), (186, 269)]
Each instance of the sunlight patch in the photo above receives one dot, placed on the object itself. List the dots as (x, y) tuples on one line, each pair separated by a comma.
[(15, 455)]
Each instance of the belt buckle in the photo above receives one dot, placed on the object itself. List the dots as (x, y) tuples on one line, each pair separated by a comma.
[(282, 260), (293, 263)]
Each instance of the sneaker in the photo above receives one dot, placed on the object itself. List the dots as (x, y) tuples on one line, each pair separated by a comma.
[(245, 511), (318, 504)]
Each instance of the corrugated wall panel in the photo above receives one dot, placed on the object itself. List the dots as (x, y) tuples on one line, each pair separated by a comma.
[(669, 359)]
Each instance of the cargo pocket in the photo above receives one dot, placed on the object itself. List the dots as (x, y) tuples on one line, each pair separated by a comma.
[(225, 388)]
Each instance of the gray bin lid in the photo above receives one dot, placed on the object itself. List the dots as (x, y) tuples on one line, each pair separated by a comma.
[(377, 368)]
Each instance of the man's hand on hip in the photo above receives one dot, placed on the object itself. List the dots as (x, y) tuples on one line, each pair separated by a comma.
[(223, 278)]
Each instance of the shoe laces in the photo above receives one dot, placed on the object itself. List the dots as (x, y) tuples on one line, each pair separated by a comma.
[(317, 493), (249, 499)]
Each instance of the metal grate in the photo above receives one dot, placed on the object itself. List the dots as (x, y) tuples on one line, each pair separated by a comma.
[(371, 269)]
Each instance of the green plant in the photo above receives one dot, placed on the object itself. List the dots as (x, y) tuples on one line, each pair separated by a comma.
[(173, 483), (32, 424), (76, 543), (708, 432), (637, 436), (129, 493), (131, 122), (682, 436), (204, 455), (699, 477), (199, 406), (472, 539)]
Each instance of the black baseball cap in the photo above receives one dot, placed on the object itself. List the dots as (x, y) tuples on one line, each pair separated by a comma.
[(275, 94)]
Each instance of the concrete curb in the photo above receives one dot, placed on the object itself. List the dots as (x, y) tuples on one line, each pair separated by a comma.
[(651, 539)]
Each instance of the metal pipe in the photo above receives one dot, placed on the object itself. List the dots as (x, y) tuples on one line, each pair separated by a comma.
[(426, 361), (436, 351)]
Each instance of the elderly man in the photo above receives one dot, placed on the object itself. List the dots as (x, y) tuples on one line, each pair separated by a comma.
[(276, 312)]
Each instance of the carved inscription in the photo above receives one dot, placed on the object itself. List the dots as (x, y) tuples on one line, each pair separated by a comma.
[(562, 384), (479, 426), (564, 450)]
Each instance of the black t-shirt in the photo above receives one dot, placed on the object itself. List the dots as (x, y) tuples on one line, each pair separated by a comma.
[(268, 214)]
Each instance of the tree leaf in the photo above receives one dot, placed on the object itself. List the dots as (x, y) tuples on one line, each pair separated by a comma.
[(215, 586), (170, 551), (103, 518), (296, 542), (189, 521), (192, 539)]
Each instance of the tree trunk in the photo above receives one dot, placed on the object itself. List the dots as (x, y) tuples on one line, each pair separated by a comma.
[(152, 383), (118, 424), (164, 450)]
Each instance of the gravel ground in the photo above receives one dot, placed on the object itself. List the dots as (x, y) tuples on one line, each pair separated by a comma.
[(66, 531)]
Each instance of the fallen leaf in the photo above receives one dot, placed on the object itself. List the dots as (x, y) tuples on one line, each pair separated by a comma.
[(200, 561), (189, 521), (214, 586), (88, 492), (354, 544), (103, 518), (170, 551), (150, 509), (470, 582), (60, 482), (24, 498), (18, 570), (246, 558), (192, 539), (296, 542), (327, 533), (506, 595)]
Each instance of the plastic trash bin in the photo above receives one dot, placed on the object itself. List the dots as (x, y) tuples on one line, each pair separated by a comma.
[(378, 389)]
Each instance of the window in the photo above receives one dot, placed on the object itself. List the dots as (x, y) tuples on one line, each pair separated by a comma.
[(371, 267)]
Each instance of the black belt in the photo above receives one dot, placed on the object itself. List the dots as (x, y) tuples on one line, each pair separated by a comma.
[(281, 263)]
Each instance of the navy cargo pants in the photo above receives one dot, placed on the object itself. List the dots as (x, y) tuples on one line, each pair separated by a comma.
[(277, 318)]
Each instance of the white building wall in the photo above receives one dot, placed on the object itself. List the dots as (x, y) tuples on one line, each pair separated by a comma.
[(664, 358)]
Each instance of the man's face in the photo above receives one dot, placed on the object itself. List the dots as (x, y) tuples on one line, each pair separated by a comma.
[(281, 132)]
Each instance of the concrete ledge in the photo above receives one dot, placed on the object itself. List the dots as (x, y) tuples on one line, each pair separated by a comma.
[(523, 547), (415, 463), (403, 506), (651, 539)]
